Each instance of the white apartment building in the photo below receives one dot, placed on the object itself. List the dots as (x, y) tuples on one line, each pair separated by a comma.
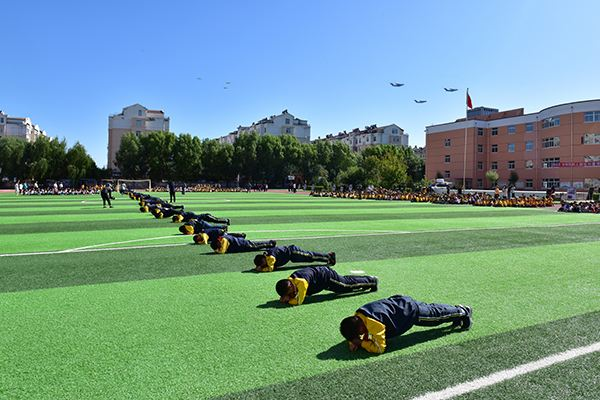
[(136, 119), (373, 135), (22, 128), (276, 125)]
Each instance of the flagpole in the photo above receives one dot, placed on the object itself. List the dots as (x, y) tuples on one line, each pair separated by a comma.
[(465, 150)]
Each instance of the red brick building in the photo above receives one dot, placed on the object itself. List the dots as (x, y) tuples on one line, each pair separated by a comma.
[(558, 146)]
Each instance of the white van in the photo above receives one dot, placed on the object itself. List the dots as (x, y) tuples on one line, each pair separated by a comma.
[(440, 186)]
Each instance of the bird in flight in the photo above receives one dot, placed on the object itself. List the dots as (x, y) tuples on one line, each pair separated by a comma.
[(450, 89), (396, 84), (420, 101), (227, 83), (199, 78)]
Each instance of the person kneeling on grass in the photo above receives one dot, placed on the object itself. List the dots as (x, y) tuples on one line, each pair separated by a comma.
[(188, 216), (197, 225), (281, 255), (206, 236), (232, 244), (310, 280), (379, 320)]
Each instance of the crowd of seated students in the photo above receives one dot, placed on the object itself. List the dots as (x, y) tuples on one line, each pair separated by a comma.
[(202, 187), (424, 196), (26, 189), (592, 207)]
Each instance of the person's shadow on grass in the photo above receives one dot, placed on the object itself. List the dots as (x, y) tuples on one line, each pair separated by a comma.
[(341, 351), (314, 299), (253, 270)]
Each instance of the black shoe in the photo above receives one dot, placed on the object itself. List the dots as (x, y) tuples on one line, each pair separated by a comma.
[(228, 221), (243, 236), (465, 321), (331, 260), (376, 287), (273, 243)]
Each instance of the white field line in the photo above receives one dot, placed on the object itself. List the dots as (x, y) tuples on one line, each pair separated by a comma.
[(507, 374), (98, 247)]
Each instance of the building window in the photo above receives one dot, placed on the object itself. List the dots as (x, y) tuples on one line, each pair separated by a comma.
[(480, 165), (551, 142), (510, 147), (394, 131), (447, 158), (446, 174), (479, 131), (494, 131), (447, 142), (511, 165), (288, 130), (1, 120), (480, 148), (529, 183), (139, 113), (529, 127), (264, 130), (138, 123), (592, 116), (494, 165), (529, 164), (551, 182), (529, 145), (591, 138), (550, 122), (480, 183), (138, 133), (511, 129), (374, 138), (551, 162), (494, 148)]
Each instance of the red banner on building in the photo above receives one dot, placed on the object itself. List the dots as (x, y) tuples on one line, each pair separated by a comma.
[(578, 164)]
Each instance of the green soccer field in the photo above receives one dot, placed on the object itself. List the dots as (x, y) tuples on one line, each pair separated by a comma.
[(113, 303)]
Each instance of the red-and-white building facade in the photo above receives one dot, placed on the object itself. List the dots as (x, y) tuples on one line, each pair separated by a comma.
[(558, 146)]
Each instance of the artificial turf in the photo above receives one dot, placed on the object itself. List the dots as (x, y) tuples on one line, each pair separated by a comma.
[(180, 322)]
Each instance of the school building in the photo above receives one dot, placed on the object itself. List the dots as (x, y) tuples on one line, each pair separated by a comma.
[(558, 146)]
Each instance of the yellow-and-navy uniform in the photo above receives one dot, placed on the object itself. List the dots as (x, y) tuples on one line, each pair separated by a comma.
[(281, 255), (197, 225), (395, 315), (234, 244), (311, 280)]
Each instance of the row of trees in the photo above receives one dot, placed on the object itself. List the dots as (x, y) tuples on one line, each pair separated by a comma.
[(46, 158), (163, 155)]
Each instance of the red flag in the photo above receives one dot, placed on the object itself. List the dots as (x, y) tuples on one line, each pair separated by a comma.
[(469, 102)]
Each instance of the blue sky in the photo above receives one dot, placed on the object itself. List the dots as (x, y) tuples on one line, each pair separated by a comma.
[(69, 65)]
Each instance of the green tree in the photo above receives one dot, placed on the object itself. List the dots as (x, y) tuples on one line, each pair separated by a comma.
[(341, 159), (492, 177), (79, 163), (12, 157), (129, 158), (513, 178), (271, 162), (187, 157), (157, 149), (245, 159)]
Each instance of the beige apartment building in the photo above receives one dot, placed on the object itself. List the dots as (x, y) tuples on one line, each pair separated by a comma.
[(558, 146), (359, 139), (20, 127), (136, 119), (275, 125)]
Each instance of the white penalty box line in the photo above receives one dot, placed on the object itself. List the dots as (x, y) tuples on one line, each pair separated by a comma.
[(507, 374)]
